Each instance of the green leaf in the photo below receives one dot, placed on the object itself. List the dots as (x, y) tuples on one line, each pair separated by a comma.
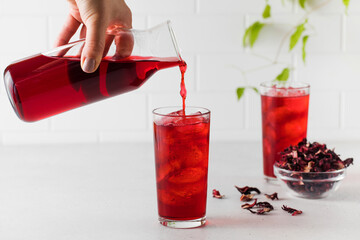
[(255, 89), (297, 34), (255, 30), (252, 33), (284, 75), (240, 92), (304, 41), (267, 11), (246, 36), (346, 3), (302, 3)]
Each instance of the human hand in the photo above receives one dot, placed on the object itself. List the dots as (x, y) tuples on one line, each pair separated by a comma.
[(97, 16)]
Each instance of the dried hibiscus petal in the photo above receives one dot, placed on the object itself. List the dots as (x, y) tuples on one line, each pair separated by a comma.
[(347, 162), (247, 206), (247, 190), (272, 196), (260, 211), (246, 197), (265, 205), (293, 211), (216, 194), (261, 207)]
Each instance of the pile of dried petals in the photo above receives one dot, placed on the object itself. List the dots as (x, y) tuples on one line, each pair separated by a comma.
[(304, 162), (311, 157)]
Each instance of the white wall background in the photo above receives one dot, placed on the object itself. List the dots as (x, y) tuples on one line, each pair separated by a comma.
[(210, 35)]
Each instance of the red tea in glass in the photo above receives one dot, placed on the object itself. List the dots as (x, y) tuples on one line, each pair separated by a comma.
[(284, 111), (181, 144)]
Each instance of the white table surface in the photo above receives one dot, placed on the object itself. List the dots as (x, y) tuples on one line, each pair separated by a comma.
[(108, 192)]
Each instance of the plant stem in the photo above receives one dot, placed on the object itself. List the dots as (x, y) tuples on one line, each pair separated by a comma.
[(263, 57), (259, 68)]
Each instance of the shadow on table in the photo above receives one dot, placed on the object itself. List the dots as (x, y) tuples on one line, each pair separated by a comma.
[(245, 221)]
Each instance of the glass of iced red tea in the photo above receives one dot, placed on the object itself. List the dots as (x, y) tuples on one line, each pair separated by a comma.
[(284, 108), (181, 141)]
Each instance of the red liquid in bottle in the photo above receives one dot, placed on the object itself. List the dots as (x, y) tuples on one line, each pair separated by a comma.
[(181, 157), (42, 86), (284, 123)]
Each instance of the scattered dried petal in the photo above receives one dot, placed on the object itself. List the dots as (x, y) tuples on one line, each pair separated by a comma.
[(247, 190), (265, 205), (247, 206), (263, 210), (254, 212), (260, 211), (293, 211), (272, 196), (216, 194), (261, 207), (296, 213), (246, 197)]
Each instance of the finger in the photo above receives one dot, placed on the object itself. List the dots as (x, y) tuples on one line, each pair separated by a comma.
[(68, 30), (108, 41), (82, 32), (81, 36), (124, 45), (94, 45)]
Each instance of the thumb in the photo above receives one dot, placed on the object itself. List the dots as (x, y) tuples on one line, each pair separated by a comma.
[(94, 45)]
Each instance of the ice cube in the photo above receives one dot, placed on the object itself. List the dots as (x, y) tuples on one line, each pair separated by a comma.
[(187, 175), (188, 191), (181, 186), (196, 155), (164, 170), (165, 197), (177, 113)]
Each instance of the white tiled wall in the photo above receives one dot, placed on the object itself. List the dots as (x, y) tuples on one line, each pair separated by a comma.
[(210, 34)]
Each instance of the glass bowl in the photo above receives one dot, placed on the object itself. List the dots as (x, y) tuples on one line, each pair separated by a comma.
[(310, 184)]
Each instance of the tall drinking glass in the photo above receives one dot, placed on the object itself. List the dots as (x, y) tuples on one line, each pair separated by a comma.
[(284, 108), (181, 144)]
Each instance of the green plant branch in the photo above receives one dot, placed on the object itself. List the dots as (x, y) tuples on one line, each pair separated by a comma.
[(262, 56), (259, 68), (302, 19), (275, 61), (241, 71), (296, 32), (317, 7)]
